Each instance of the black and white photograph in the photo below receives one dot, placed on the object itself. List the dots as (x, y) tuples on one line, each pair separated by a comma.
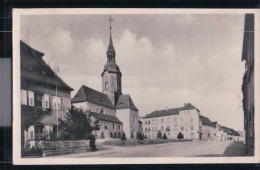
[(95, 86)]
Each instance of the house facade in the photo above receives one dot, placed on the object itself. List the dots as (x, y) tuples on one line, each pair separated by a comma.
[(208, 129), (44, 93), (111, 101), (171, 122), (248, 83)]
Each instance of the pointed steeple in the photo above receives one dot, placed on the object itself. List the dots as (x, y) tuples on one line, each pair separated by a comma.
[(110, 50)]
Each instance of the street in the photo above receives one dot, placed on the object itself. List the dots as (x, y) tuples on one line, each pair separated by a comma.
[(182, 149)]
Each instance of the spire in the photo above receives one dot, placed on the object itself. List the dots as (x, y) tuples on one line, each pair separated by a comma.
[(110, 50)]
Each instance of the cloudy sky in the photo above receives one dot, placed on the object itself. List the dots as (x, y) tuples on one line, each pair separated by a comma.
[(166, 60)]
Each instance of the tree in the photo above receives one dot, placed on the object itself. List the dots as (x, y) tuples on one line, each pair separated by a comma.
[(164, 136), (79, 124), (180, 136), (139, 136), (159, 134)]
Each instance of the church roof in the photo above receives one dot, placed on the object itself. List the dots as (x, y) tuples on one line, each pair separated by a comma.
[(125, 101), (104, 117), (111, 67), (110, 48), (87, 94), (168, 112), (34, 68)]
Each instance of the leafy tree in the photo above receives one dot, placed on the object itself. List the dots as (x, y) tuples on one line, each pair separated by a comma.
[(164, 136), (79, 124), (159, 134), (139, 136), (180, 136), (123, 137)]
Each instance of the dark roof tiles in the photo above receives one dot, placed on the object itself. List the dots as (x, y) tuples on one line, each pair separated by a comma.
[(33, 67), (125, 101), (104, 117), (167, 112), (87, 94), (207, 121)]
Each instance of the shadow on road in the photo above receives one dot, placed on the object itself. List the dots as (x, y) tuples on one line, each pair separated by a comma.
[(234, 149)]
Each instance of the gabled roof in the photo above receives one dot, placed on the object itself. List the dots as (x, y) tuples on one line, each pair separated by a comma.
[(173, 111), (87, 94), (104, 117), (125, 101), (230, 131), (34, 68), (207, 121)]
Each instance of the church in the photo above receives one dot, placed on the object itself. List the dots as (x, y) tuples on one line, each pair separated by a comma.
[(115, 111)]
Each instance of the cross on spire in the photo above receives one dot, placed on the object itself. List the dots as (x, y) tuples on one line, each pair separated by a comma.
[(110, 20)]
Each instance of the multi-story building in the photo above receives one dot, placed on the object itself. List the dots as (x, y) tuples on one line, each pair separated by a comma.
[(45, 97), (99, 105), (208, 129), (248, 83), (171, 122), (111, 102)]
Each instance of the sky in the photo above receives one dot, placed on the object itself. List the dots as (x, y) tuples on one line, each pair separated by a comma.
[(166, 59)]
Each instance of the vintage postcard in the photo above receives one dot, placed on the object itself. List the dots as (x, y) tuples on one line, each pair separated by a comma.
[(135, 86)]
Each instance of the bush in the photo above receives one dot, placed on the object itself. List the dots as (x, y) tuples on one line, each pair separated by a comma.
[(123, 137), (180, 136), (159, 134), (164, 136), (139, 136)]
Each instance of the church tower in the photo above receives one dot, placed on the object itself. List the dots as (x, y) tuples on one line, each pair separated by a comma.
[(111, 75)]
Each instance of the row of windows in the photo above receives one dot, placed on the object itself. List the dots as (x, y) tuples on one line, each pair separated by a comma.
[(115, 126), (154, 135), (154, 121), (166, 129), (31, 98)]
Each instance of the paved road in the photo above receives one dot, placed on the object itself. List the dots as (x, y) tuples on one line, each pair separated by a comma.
[(181, 149), (173, 150)]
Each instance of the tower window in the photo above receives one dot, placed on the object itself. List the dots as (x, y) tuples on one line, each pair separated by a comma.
[(106, 85)]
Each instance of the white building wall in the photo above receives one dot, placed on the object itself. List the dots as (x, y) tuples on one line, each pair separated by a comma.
[(124, 116), (95, 108), (133, 119), (173, 124)]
